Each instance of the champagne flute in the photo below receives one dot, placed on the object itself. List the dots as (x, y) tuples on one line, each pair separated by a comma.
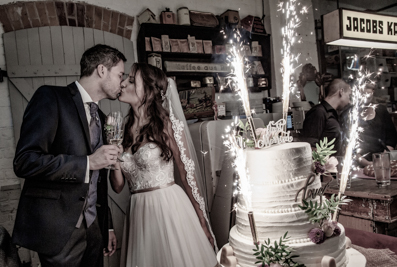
[(114, 131)]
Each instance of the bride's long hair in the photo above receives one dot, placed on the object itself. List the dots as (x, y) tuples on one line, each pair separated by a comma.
[(154, 84)]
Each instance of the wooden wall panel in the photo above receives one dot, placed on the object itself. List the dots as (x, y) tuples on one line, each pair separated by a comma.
[(37, 82), (129, 54), (57, 46), (98, 37), (109, 38), (34, 47), (24, 87), (70, 79), (10, 49), (22, 47), (88, 38), (17, 109), (78, 44), (49, 81), (46, 46), (60, 80), (68, 45)]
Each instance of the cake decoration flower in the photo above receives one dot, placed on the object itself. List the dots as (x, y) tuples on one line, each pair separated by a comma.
[(320, 215), (322, 162), (316, 235), (328, 228)]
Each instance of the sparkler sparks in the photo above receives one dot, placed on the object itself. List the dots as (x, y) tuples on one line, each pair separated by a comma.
[(236, 147), (291, 16), (240, 66), (237, 81), (358, 101)]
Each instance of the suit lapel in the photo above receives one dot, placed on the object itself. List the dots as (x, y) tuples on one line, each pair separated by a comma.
[(81, 111)]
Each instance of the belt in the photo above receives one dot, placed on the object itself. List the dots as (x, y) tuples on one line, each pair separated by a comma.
[(152, 188)]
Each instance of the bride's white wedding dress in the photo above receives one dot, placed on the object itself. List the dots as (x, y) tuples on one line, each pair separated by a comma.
[(161, 228)]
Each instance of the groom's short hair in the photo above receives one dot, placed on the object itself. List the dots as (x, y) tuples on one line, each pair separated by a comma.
[(99, 54)]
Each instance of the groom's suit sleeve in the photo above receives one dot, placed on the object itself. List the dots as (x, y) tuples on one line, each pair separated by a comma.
[(39, 152)]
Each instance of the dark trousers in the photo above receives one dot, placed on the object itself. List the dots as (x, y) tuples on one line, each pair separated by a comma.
[(83, 249)]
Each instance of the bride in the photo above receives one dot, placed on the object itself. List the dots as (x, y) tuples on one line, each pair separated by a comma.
[(164, 225)]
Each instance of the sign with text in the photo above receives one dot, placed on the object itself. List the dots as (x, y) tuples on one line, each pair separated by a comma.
[(343, 27), (361, 25)]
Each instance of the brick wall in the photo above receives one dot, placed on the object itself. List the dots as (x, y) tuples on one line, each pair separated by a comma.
[(23, 15)]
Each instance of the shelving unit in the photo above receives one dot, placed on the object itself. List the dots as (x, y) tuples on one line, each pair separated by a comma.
[(201, 33)]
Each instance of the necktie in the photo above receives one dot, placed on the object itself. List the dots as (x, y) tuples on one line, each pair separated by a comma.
[(96, 142), (95, 128)]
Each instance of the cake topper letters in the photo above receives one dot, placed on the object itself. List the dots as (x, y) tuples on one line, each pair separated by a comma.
[(273, 134), (311, 193)]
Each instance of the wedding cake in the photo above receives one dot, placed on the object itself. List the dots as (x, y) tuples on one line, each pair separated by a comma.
[(276, 176)]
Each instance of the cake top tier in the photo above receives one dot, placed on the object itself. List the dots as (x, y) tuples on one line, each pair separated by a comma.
[(284, 147), (278, 163)]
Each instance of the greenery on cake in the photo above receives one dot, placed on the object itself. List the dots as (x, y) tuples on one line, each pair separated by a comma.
[(322, 162), (320, 214), (279, 254), (244, 131)]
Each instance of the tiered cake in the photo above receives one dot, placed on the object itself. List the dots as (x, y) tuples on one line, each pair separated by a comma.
[(276, 174)]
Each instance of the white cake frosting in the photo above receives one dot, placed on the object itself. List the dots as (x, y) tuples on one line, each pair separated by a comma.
[(275, 176)]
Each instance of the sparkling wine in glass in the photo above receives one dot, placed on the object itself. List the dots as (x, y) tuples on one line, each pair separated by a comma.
[(116, 141), (114, 131)]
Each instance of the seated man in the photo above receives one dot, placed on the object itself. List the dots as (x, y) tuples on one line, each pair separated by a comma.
[(322, 120)]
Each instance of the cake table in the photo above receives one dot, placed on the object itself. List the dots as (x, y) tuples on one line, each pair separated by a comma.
[(356, 259)]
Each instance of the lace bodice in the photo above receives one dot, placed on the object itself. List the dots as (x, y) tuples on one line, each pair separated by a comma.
[(146, 168)]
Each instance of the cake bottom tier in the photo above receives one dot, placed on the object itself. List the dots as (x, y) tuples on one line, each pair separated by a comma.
[(310, 254)]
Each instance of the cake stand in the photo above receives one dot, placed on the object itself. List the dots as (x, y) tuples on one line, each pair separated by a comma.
[(356, 259)]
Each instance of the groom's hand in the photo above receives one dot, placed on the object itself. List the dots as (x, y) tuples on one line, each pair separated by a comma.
[(104, 156)]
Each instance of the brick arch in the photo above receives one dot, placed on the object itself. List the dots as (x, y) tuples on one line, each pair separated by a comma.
[(24, 15)]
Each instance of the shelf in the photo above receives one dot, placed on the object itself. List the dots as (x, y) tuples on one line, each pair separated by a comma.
[(194, 74), (201, 55), (202, 74), (215, 35)]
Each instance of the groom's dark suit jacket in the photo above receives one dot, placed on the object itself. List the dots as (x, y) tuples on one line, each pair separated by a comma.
[(52, 157)]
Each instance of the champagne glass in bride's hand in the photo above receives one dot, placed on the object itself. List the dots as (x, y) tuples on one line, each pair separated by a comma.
[(114, 129)]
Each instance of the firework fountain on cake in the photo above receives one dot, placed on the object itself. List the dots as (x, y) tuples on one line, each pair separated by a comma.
[(270, 178)]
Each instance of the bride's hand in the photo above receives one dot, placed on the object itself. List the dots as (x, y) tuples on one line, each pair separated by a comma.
[(207, 232)]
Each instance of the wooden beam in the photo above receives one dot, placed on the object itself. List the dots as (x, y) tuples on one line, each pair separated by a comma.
[(16, 71), (26, 89)]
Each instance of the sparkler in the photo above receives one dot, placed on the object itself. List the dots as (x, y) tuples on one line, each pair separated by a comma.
[(237, 80), (293, 21), (235, 144), (251, 220), (357, 101), (239, 65)]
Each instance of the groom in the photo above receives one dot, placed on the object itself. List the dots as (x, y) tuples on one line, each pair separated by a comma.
[(62, 212)]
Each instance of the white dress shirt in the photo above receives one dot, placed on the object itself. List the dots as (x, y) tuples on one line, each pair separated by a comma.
[(86, 100)]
